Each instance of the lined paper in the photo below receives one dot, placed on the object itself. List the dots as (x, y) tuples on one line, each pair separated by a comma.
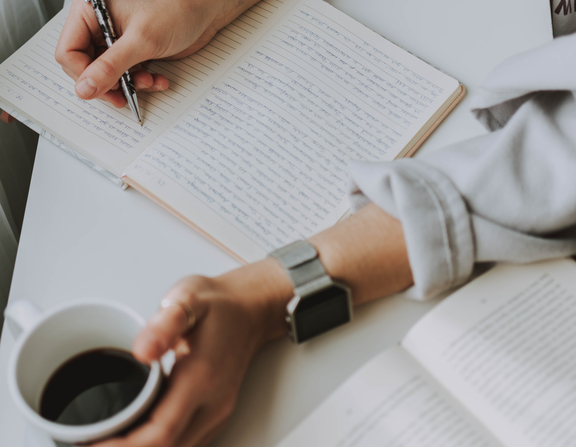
[(504, 345), (33, 82), (267, 148), (389, 402), (252, 141)]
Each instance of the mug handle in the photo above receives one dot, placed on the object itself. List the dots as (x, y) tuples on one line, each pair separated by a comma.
[(21, 316)]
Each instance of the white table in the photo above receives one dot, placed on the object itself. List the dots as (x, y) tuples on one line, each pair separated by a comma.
[(83, 236)]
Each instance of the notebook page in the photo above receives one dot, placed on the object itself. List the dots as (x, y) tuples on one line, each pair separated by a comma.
[(506, 346), (34, 84), (388, 402), (261, 159)]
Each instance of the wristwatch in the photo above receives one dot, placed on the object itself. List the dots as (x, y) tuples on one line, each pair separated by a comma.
[(319, 302)]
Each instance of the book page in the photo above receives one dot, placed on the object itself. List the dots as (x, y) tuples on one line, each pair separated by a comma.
[(388, 402), (506, 347), (261, 159), (34, 84)]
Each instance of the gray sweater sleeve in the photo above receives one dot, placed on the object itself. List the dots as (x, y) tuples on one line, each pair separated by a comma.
[(509, 195)]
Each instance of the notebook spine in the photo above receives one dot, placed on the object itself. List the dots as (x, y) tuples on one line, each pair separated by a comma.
[(43, 133)]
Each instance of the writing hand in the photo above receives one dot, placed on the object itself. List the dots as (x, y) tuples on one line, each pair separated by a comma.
[(148, 29), (234, 318)]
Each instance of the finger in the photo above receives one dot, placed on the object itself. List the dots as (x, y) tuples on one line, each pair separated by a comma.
[(168, 422), (75, 49), (166, 327), (143, 81), (209, 437), (202, 431), (6, 117), (162, 332), (149, 82), (101, 75), (115, 97), (157, 432)]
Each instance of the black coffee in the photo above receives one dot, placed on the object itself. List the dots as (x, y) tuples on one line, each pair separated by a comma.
[(93, 386)]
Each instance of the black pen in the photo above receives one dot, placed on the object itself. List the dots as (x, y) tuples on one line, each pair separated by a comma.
[(105, 22)]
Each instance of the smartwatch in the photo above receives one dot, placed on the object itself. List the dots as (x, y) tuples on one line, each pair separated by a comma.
[(319, 303)]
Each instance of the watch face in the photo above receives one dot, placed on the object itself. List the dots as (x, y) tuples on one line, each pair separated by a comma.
[(322, 311)]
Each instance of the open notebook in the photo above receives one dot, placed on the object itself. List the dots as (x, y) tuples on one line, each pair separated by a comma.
[(251, 142)]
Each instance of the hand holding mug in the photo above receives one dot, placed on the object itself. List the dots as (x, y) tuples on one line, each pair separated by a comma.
[(235, 314), (49, 343)]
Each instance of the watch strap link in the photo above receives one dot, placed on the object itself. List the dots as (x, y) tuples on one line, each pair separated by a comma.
[(319, 303), (300, 259)]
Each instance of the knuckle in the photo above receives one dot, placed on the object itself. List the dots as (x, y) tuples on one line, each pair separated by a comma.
[(63, 58), (60, 55), (161, 334), (192, 285), (197, 281)]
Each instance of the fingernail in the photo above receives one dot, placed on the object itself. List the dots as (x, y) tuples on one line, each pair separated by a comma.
[(86, 87)]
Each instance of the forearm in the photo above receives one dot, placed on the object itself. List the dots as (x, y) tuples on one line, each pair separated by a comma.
[(236, 313), (365, 252)]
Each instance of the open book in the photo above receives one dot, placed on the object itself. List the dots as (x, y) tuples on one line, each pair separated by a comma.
[(492, 365), (251, 142)]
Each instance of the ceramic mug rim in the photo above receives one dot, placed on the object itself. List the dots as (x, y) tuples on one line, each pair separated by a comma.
[(88, 432)]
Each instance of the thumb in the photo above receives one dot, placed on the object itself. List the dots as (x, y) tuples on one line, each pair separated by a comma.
[(102, 74)]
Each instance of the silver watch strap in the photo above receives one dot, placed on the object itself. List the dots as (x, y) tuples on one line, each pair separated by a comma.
[(300, 259)]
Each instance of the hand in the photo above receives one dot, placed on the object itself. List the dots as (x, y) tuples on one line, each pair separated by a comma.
[(6, 117), (234, 318), (148, 29), (240, 311)]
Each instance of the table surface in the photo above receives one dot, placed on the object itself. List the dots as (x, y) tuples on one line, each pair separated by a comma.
[(84, 237)]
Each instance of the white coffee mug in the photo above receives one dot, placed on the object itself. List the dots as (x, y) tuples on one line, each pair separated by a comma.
[(46, 340)]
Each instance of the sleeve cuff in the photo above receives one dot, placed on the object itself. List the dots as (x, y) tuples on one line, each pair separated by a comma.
[(435, 220)]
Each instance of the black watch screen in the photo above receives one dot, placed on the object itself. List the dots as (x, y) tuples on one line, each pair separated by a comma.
[(321, 311)]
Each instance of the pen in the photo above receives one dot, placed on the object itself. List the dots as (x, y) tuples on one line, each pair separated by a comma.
[(105, 22)]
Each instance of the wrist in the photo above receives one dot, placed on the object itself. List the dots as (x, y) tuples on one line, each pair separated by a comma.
[(367, 252), (265, 290)]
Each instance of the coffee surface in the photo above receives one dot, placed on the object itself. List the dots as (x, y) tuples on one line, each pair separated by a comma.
[(93, 386)]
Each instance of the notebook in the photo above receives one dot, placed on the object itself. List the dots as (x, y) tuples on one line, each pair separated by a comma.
[(251, 143)]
